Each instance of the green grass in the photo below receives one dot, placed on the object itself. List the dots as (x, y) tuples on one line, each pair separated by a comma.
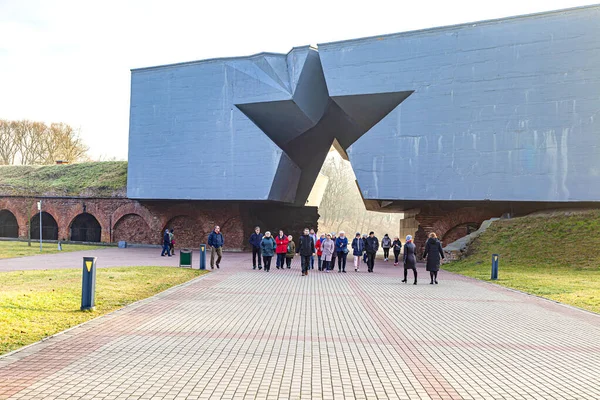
[(10, 249), (556, 256), (92, 179), (37, 304)]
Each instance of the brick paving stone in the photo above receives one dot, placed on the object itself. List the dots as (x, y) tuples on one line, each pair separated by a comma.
[(243, 334)]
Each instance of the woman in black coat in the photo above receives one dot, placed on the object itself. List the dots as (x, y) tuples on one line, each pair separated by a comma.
[(434, 254), (410, 259)]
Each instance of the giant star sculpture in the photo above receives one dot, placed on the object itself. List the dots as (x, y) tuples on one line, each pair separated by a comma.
[(306, 125)]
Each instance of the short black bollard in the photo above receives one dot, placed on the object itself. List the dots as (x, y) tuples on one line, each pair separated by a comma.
[(88, 284), (202, 256), (495, 258)]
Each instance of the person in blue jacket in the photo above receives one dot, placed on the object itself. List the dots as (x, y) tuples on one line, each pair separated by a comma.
[(267, 247), (341, 248), (358, 248), (255, 240), (166, 251), (216, 242)]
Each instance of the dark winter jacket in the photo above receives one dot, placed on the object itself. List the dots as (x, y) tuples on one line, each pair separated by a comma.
[(386, 242), (372, 244), (410, 259), (267, 246), (434, 253), (397, 246), (358, 247), (216, 239), (306, 247), (166, 239), (341, 245), (255, 240)]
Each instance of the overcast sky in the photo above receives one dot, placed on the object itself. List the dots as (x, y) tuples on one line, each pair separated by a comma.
[(69, 61)]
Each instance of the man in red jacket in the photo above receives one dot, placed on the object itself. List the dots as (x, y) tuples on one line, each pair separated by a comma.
[(282, 242)]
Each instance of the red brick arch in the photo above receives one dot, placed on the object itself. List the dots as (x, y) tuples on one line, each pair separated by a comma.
[(132, 228), (189, 231), (459, 217), (73, 234), (137, 209), (22, 219)]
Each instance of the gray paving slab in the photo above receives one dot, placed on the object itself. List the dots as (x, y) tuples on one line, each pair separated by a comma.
[(239, 333)]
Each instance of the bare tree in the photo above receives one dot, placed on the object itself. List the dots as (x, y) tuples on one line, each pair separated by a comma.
[(8, 144), (342, 207), (28, 143)]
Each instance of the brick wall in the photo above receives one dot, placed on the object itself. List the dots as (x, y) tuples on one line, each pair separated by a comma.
[(450, 225), (144, 222)]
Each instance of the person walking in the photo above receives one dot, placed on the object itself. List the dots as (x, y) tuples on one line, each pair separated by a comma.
[(328, 248), (341, 248), (291, 252), (255, 241), (216, 242), (334, 255), (282, 242), (434, 254), (320, 251), (166, 250), (386, 243), (364, 239), (372, 246), (267, 248), (313, 235), (171, 242), (306, 248), (396, 246), (410, 258), (358, 248)]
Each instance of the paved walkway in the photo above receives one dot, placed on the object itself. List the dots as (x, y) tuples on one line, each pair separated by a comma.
[(107, 257), (238, 333)]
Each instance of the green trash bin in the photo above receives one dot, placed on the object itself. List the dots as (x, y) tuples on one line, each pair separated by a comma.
[(185, 258)]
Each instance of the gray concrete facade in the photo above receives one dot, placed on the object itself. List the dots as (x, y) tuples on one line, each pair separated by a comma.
[(503, 110)]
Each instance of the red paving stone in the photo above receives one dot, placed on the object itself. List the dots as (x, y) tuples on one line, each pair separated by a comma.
[(239, 333)]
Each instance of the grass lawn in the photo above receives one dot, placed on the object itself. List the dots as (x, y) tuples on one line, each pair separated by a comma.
[(556, 256), (20, 249), (101, 179), (36, 304)]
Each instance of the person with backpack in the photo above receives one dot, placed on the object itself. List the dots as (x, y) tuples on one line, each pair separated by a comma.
[(255, 240), (306, 249), (396, 246), (341, 248), (267, 248), (282, 242), (372, 246), (434, 254), (410, 258), (216, 242), (386, 244), (291, 252), (358, 248)]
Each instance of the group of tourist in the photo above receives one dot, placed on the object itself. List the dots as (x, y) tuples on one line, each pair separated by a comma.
[(328, 247)]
